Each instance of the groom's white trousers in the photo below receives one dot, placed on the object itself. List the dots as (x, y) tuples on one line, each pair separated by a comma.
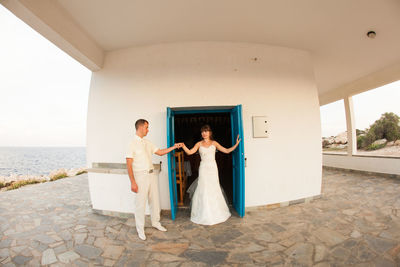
[(148, 191)]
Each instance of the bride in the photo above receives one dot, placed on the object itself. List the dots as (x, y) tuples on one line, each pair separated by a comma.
[(208, 203)]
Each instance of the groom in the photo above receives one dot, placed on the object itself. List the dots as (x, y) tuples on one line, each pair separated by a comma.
[(144, 181)]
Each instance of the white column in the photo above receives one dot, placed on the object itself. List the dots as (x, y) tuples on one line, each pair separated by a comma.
[(351, 126)]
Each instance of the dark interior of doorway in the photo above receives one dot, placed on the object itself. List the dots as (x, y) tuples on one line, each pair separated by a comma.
[(187, 130)]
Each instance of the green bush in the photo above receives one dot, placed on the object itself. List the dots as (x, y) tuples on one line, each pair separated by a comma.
[(360, 141), (375, 146), (58, 176), (19, 184), (359, 132), (2, 185), (386, 127), (368, 139), (81, 172)]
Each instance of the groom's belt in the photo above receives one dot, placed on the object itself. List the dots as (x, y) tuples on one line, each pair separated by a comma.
[(145, 171)]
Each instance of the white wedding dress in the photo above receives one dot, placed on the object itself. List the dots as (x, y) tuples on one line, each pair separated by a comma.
[(208, 203)]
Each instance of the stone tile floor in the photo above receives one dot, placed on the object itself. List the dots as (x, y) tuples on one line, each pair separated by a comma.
[(355, 223)]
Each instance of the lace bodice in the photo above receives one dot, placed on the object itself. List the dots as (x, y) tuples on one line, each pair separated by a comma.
[(207, 153)]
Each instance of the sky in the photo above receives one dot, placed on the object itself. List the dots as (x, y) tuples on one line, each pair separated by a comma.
[(43, 91)]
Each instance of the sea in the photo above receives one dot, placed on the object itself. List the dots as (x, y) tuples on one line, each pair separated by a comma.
[(40, 160)]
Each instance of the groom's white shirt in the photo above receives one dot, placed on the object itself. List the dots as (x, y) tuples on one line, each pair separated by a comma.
[(141, 150)]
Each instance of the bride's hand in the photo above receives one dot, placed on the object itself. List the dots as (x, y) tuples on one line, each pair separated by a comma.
[(176, 145), (179, 145), (238, 139)]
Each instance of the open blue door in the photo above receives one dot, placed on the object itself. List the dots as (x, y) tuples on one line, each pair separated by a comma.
[(238, 160), (171, 163)]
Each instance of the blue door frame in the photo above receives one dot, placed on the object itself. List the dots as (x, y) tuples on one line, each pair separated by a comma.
[(237, 155), (238, 160), (171, 163)]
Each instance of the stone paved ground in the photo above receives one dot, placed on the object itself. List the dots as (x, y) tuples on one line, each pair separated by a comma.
[(356, 222)]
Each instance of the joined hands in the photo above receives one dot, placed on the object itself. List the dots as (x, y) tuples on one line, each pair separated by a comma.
[(179, 145)]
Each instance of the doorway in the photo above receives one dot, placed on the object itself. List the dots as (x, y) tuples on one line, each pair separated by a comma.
[(187, 130), (183, 125)]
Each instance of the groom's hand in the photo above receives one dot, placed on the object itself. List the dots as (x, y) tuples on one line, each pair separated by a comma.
[(178, 145), (134, 187)]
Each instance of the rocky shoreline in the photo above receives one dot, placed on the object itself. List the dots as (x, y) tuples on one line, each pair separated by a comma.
[(7, 182)]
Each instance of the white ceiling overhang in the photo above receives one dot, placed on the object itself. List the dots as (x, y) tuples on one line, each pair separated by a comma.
[(345, 60)]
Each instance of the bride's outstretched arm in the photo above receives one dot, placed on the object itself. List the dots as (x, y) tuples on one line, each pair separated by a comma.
[(193, 150), (227, 150)]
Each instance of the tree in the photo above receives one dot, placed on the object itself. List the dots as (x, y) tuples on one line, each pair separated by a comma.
[(387, 126)]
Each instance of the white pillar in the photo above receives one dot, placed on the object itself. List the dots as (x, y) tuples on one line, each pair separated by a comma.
[(351, 126)]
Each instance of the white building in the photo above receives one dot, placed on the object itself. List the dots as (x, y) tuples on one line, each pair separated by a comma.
[(279, 59)]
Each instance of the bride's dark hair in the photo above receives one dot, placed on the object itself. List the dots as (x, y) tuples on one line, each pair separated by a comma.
[(207, 128)]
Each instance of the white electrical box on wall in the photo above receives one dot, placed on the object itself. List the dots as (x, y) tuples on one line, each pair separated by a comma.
[(260, 127)]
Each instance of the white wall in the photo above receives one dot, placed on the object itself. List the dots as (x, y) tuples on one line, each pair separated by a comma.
[(111, 192), (361, 163), (140, 82)]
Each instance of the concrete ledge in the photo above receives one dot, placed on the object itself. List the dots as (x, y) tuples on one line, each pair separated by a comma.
[(361, 155), (375, 156), (376, 165), (386, 175), (114, 168), (283, 204), (106, 170), (109, 165)]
